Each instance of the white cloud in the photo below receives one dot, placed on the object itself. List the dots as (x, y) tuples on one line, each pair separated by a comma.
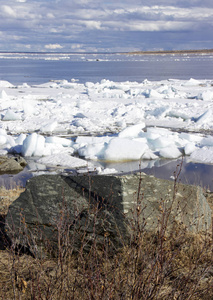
[(149, 26), (55, 30), (92, 24), (50, 16), (53, 46), (76, 46), (8, 11)]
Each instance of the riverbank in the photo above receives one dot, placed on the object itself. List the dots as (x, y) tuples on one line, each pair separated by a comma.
[(172, 52)]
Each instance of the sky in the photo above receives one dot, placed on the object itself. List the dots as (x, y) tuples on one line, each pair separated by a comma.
[(105, 26)]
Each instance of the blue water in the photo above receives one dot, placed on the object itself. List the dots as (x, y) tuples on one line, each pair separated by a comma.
[(191, 173), (36, 69)]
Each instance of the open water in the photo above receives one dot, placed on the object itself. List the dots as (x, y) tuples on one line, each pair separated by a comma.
[(40, 68)]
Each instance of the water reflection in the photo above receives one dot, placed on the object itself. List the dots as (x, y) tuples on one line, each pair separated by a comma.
[(191, 173), (132, 166), (10, 181)]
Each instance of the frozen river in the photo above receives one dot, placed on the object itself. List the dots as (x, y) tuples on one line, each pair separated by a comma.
[(108, 113)]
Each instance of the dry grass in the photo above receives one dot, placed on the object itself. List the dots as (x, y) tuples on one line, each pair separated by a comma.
[(167, 264), (209, 197), (178, 270)]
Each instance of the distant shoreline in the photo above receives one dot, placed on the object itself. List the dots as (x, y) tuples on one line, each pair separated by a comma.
[(202, 51), (160, 52)]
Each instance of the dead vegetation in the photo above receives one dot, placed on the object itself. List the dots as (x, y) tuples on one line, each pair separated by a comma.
[(165, 264)]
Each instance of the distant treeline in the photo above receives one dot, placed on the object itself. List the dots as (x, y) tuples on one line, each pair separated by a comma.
[(173, 52)]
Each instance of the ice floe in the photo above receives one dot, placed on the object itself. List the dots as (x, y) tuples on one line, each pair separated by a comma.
[(58, 122)]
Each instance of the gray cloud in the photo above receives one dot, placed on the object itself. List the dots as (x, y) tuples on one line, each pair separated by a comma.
[(95, 25)]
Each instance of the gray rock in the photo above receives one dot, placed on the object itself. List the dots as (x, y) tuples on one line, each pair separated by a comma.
[(54, 205), (184, 204), (11, 165), (108, 206)]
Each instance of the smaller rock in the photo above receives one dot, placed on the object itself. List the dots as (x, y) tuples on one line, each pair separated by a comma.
[(11, 165)]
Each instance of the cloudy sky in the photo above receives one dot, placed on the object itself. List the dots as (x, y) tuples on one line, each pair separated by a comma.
[(102, 25)]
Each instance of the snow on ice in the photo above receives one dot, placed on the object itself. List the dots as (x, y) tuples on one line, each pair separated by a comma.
[(107, 121)]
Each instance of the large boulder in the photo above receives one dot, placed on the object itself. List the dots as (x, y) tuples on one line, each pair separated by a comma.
[(104, 208), (155, 198), (53, 206)]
